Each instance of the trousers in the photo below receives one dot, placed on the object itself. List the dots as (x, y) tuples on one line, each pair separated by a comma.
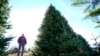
[(20, 49)]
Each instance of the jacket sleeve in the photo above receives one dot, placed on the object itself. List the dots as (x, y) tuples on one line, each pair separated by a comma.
[(18, 40), (25, 41)]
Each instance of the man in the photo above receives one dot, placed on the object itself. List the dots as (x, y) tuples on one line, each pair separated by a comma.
[(22, 42)]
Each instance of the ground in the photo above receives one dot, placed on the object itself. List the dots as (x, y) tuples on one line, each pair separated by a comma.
[(15, 54)]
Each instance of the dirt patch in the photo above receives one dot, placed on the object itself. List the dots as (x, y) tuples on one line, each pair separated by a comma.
[(15, 54)]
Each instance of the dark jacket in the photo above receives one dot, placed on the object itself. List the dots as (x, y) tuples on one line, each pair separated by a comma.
[(20, 42)]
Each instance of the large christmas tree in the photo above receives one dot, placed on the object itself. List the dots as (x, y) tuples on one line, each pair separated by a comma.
[(4, 25), (56, 37)]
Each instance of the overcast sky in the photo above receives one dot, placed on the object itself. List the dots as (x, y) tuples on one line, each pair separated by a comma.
[(26, 17)]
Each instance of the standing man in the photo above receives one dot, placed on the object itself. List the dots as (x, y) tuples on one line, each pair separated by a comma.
[(22, 42)]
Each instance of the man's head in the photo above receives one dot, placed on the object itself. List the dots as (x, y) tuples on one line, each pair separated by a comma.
[(22, 34)]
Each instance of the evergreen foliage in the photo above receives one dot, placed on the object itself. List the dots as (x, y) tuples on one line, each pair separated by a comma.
[(93, 4), (57, 38), (4, 25), (93, 9)]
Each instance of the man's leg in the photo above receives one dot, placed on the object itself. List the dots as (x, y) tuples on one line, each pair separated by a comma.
[(19, 50), (22, 50)]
